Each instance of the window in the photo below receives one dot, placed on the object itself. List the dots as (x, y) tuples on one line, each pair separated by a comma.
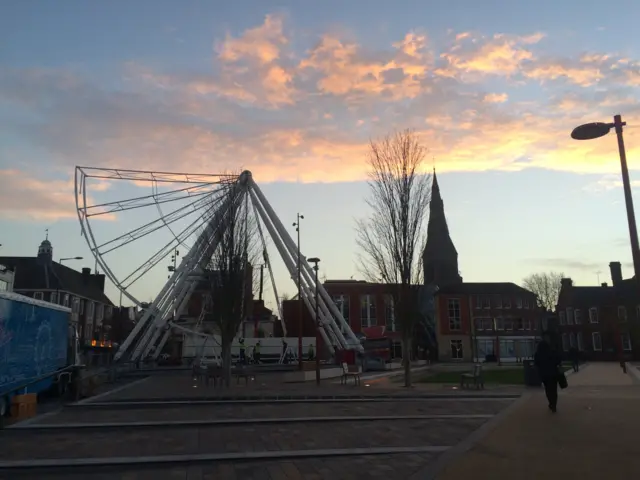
[(593, 315), (487, 323), (565, 342), (526, 303), (90, 309), (597, 341), (455, 322), (497, 301), (486, 302), (342, 303), (508, 324), (499, 323), (577, 316), (569, 316), (484, 348), (478, 324), (527, 324), (54, 297), (507, 348), (572, 340), (389, 313), (38, 296), (626, 341), (622, 313), (535, 324), (108, 312), (75, 305), (66, 300), (563, 318), (99, 313), (478, 302), (456, 349), (506, 302), (518, 324), (580, 341), (4, 286), (367, 311), (518, 302), (81, 306)]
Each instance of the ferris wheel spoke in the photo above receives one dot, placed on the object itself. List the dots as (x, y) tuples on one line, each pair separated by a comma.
[(150, 200), (157, 224), (147, 176), (165, 250)]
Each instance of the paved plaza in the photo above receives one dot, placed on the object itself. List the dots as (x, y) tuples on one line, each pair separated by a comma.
[(267, 430)]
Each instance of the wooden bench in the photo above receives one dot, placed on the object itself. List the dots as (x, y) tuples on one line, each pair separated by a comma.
[(475, 377), (346, 373)]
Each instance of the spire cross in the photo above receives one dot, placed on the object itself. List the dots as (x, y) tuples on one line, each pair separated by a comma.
[(46, 230)]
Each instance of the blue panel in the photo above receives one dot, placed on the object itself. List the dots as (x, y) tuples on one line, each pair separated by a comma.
[(33, 342)]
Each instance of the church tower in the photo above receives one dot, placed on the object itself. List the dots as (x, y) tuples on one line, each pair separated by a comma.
[(45, 251), (440, 258)]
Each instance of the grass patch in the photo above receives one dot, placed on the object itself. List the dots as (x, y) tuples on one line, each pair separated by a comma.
[(495, 376)]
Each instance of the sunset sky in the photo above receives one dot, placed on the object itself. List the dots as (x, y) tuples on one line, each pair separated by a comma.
[(293, 91)]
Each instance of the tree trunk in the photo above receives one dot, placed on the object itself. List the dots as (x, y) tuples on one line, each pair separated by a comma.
[(406, 360), (226, 362)]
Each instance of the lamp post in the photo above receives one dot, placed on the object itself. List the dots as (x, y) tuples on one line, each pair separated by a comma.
[(315, 262), (58, 282), (297, 225), (174, 259), (590, 131)]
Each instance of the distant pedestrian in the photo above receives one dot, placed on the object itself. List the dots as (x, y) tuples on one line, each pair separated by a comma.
[(547, 360), (574, 356), (256, 352)]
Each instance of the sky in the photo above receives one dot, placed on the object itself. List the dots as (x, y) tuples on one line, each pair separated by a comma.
[(295, 90)]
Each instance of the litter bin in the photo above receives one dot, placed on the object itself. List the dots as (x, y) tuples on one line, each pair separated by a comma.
[(531, 377)]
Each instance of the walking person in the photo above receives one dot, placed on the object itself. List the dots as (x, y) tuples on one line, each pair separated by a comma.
[(547, 360), (574, 355)]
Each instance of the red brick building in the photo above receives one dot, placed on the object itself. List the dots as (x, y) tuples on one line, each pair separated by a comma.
[(475, 320), (600, 321)]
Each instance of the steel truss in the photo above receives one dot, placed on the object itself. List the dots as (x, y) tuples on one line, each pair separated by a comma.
[(210, 198)]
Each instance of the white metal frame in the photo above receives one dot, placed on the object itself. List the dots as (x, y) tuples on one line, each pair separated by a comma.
[(153, 329)]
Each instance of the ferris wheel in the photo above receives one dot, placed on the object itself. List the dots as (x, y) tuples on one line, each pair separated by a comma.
[(135, 222)]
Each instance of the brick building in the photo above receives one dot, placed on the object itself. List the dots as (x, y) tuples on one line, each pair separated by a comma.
[(601, 320), (473, 320), (43, 279)]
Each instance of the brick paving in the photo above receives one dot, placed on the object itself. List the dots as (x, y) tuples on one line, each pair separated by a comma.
[(134, 441)]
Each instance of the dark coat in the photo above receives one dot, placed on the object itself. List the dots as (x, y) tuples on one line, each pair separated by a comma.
[(547, 360)]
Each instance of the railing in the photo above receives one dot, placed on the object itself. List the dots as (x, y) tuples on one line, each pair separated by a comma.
[(68, 370)]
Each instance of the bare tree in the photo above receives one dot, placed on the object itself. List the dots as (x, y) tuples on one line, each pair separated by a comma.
[(391, 238), (230, 271), (546, 286)]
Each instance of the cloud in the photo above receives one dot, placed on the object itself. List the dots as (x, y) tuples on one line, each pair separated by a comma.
[(289, 108), (569, 265)]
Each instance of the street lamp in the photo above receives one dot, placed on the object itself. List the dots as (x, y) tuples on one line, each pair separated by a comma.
[(590, 131), (58, 282), (297, 225), (174, 259), (315, 262)]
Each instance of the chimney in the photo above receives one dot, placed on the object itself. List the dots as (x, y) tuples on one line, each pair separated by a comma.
[(604, 284), (566, 282), (616, 273)]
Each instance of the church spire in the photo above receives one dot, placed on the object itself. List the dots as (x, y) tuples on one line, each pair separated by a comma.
[(440, 258)]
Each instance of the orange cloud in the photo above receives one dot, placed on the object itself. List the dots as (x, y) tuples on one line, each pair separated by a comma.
[(496, 97), (262, 43)]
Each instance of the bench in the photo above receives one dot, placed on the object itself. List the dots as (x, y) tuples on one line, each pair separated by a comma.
[(207, 373), (475, 377), (346, 373)]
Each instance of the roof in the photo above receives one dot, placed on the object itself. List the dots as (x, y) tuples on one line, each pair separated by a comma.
[(624, 292), (31, 301), (33, 274), (485, 288)]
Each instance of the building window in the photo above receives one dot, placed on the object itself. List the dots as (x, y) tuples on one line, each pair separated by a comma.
[(499, 323), (81, 306), (526, 303), (563, 318), (597, 341), (456, 350), (527, 324), (486, 302), (593, 315), (477, 324), (99, 313), (626, 341), (478, 302), (4, 286), (389, 313), (569, 316), (518, 324), (572, 340), (483, 324), (577, 316), (518, 302), (580, 341), (108, 312), (455, 322), (497, 301), (622, 313), (65, 303), (367, 311), (342, 304), (90, 309), (565, 342), (484, 347), (508, 324), (53, 298), (38, 296), (75, 305), (506, 302)]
